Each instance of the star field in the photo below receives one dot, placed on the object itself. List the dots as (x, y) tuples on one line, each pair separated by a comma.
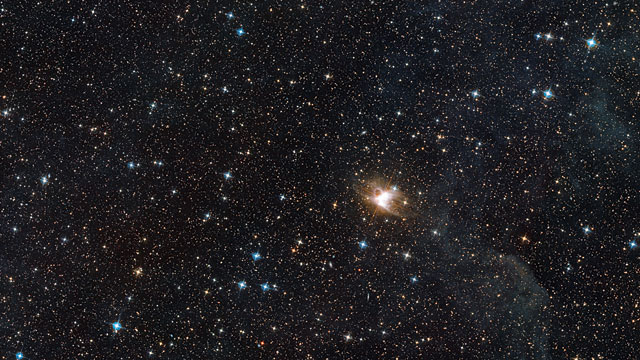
[(319, 180)]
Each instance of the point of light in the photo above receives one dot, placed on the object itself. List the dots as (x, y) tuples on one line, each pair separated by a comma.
[(265, 287), (475, 94), (227, 175), (548, 36), (230, 15), (131, 165), (587, 230), (207, 216), (44, 180), (591, 43), (414, 279), (242, 285), (538, 36), (116, 326), (363, 244), (19, 355), (240, 31), (548, 94), (256, 256), (633, 244)]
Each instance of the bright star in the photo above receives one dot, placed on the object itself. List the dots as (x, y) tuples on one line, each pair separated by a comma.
[(586, 230), (207, 216), (265, 287), (116, 326), (282, 197), (548, 36), (538, 36), (256, 256), (227, 175), (363, 244), (242, 285), (475, 94), (548, 94), (131, 165), (591, 43), (44, 180), (19, 355), (240, 31), (230, 15), (633, 244), (414, 279), (382, 198)]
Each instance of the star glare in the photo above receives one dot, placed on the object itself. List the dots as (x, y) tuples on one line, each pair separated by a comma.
[(256, 256), (382, 198), (240, 31), (475, 94), (633, 244), (45, 179), (116, 326), (548, 94), (227, 175), (591, 43), (19, 356), (363, 244), (230, 15), (242, 285)]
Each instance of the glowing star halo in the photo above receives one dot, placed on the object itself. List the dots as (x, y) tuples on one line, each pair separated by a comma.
[(382, 198)]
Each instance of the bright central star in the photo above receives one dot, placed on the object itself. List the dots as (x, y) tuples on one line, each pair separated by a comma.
[(382, 198)]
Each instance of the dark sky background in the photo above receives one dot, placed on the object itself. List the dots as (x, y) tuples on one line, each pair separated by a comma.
[(196, 180)]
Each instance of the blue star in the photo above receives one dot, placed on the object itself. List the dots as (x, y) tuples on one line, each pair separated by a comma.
[(242, 285), (591, 43), (475, 94), (548, 94), (363, 244), (207, 216), (282, 197), (230, 15), (227, 175), (19, 356), (116, 326), (131, 165), (240, 31), (414, 279), (45, 179), (265, 287), (587, 230), (538, 36), (633, 244), (256, 256)]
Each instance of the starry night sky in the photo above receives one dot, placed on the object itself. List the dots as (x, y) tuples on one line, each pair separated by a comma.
[(319, 180)]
